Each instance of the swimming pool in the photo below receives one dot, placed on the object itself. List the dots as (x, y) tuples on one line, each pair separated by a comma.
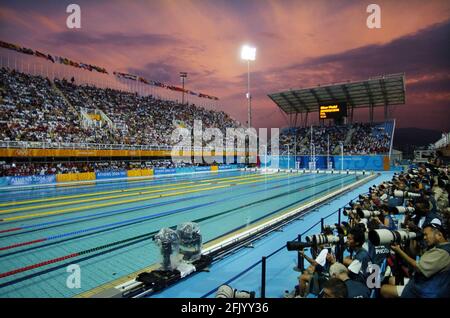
[(107, 229)]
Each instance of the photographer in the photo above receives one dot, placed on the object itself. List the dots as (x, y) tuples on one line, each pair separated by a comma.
[(355, 288), (432, 271), (360, 260), (334, 288), (422, 216), (318, 265)]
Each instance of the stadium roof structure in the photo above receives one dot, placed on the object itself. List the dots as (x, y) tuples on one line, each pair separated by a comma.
[(386, 90)]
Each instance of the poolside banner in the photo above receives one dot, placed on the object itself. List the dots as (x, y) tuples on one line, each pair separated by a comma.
[(111, 174), (184, 170), (377, 163), (361, 163), (321, 162), (207, 168), (227, 167), (164, 171), (28, 180)]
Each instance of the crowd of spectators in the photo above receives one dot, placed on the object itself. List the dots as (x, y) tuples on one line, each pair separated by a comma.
[(357, 138), (32, 108), (49, 168), (142, 120)]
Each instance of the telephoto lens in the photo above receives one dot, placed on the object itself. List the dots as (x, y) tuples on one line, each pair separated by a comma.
[(319, 239), (401, 210), (405, 194), (348, 211), (366, 214), (385, 237), (226, 291), (297, 246)]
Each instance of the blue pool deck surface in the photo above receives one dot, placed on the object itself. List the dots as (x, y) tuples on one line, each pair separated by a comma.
[(106, 229)]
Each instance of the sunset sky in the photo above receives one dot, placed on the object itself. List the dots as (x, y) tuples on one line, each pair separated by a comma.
[(299, 44)]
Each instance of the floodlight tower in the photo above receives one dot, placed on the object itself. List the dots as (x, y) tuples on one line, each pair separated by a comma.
[(248, 54), (183, 76)]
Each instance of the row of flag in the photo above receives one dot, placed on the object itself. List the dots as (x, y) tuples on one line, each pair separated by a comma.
[(89, 67), (159, 84), (52, 58)]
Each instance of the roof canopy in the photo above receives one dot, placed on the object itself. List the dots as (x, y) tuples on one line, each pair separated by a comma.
[(383, 90)]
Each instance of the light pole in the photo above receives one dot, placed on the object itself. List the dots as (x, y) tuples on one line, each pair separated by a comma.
[(183, 75), (248, 54)]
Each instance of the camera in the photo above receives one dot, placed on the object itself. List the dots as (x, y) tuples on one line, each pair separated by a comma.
[(405, 194), (226, 291), (385, 237), (298, 246), (319, 239), (349, 212), (366, 214), (401, 210)]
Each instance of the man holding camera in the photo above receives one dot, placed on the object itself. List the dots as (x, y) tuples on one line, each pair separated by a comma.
[(360, 261), (320, 264), (432, 271)]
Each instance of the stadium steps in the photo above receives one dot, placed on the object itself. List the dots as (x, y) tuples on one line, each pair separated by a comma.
[(349, 136), (60, 93), (111, 124)]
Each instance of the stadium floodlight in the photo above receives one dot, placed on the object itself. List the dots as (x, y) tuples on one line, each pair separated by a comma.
[(248, 54)]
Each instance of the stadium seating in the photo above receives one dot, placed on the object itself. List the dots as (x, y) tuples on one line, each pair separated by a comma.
[(358, 139), (36, 109)]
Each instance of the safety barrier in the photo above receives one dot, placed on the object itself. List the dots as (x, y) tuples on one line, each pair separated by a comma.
[(369, 162)]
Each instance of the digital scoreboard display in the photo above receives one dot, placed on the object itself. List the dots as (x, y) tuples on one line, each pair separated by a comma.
[(334, 111)]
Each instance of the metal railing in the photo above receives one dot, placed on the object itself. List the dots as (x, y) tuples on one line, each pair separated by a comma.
[(94, 146), (69, 145)]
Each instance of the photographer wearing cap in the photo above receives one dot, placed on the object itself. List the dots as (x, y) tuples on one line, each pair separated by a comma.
[(432, 271)]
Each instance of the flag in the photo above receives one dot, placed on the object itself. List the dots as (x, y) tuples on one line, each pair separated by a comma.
[(39, 54)]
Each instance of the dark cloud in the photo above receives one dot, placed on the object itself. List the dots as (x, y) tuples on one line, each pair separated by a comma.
[(422, 52), (161, 72), (422, 56), (112, 39)]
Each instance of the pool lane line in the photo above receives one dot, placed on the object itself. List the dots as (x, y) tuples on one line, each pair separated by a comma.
[(148, 235), (101, 205), (126, 210), (7, 211), (119, 224)]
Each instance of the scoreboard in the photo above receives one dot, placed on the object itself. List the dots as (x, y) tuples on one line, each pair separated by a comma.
[(334, 111)]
